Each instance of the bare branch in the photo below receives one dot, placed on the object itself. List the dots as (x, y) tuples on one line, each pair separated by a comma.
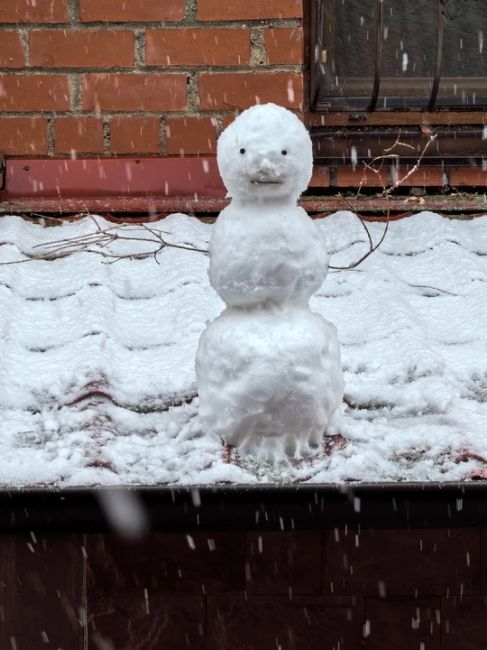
[(98, 243), (386, 192), (398, 143), (371, 243), (400, 181), (372, 247)]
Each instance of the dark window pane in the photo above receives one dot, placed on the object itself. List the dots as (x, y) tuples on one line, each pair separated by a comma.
[(354, 39), (409, 37), (464, 70)]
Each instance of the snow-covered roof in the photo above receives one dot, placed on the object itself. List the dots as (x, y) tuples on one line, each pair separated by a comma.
[(97, 380)]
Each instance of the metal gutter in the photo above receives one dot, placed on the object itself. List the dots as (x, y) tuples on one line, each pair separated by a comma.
[(255, 507)]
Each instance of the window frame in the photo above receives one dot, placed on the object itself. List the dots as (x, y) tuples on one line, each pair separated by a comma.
[(435, 103)]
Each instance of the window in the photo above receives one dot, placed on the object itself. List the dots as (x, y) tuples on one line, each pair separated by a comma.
[(376, 55)]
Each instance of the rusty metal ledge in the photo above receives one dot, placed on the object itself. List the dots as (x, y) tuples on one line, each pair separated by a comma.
[(156, 205)]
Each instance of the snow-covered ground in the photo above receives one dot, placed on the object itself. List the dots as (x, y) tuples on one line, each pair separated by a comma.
[(97, 380)]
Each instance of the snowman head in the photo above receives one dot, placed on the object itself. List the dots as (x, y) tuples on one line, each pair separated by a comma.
[(264, 154)]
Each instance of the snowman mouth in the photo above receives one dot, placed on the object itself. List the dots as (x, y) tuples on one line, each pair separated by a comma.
[(255, 181)]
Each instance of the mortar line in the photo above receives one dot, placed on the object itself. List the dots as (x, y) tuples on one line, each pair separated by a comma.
[(51, 137), (162, 136), (107, 143), (140, 54), (152, 24), (24, 39)]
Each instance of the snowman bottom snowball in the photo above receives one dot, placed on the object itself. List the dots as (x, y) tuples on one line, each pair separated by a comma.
[(269, 382)]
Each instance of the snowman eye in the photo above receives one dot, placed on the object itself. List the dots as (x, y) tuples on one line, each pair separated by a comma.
[(284, 152), (242, 150)]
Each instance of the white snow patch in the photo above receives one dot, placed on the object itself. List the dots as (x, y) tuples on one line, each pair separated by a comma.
[(97, 380)]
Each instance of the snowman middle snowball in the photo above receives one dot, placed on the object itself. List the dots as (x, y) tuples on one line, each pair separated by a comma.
[(268, 368)]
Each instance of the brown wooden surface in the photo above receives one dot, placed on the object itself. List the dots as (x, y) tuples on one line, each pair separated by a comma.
[(41, 591), (345, 588)]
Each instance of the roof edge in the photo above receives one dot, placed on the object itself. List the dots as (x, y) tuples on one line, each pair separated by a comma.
[(247, 507)]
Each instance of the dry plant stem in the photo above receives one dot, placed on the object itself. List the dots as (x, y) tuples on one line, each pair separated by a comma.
[(372, 247), (386, 192), (97, 243), (398, 143), (399, 181), (427, 286)]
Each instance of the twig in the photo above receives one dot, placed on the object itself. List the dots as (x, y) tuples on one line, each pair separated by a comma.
[(386, 192), (400, 181), (398, 143), (371, 243), (372, 247), (427, 286), (98, 242)]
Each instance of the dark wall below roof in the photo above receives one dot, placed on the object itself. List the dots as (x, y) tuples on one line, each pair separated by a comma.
[(215, 590)]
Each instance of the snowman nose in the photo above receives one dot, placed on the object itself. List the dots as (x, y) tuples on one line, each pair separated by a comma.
[(265, 165)]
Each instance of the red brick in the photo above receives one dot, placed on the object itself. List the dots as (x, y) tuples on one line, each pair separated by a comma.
[(241, 90), (78, 135), (26, 11), (464, 623), (403, 562), (11, 52), (190, 135), (284, 563), (82, 48), (23, 135), (40, 590), (249, 9), (145, 620), (301, 623), (403, 624), (422, 177), (134, 92), (349, 177), (167, 563), (132, 11), (198, 47), (34, 92), (227, 120), (137, 134), (284, 45), (472, 176)]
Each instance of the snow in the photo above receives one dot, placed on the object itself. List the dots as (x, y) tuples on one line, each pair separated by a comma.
[(266, 252), (97, 379), (263, 246), (268, 369), (271, 379), (244, 157)]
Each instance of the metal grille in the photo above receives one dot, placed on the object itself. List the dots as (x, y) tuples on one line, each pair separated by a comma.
[(392, 54)]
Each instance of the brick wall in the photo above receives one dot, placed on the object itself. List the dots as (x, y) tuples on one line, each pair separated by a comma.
[(104, 77), (338, 589)]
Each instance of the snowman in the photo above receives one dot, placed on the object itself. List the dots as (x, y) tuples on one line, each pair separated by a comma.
[(268, 368)]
